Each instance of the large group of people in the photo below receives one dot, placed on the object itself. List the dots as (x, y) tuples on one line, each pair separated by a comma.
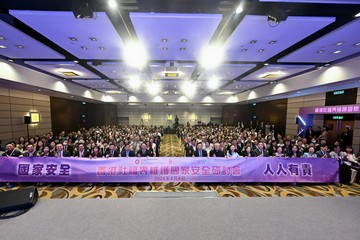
[(199, 141)]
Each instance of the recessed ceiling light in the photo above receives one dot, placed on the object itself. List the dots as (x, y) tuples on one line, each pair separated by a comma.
[(239, 9), (272, 42), (339, 43), (298, 92), (253, 41), (39, 90), (164, 40), (84, 48), (107, 80), (266, 64), (72, 39), (244, 50), (101, 48), (338, 51), (70, 74), (10, 60), (184, 40), (320, 51), (2, 38), (357, 15), (261, 50), (76, 61), (20, 46), (112, 4), (182, 49), (165, 48), (3, 46), (357, 44), (93, 39)]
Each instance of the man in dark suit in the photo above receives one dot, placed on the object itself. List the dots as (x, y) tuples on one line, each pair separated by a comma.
[(11, 151), (309, 134), (68, 147), (216, 152), (143, 152), (30, 151), (323, 153), (259, 151), (127, 152), (199, 151), (112, 152), (191, 148), (60, 152), (81, 151)]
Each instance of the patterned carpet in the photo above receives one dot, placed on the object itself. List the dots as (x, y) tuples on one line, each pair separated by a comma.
[(171, 146)]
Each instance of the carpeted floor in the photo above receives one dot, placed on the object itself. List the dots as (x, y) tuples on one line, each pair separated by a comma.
[(171, 146)]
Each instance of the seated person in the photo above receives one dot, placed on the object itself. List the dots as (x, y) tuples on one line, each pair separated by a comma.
[(111, 151), (46, 152), (216, 152), (60, 152), (232, 152), (279, 152), (311, 153), (30, 151), (199, 151), (81, 151), (247, 151), (323, 152), (127, 152), (95, 153), (260, 151), (10, 151), (143, 152), (294, 153)]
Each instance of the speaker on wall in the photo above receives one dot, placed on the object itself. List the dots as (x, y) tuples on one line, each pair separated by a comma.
[(27, 120), (19, 199)]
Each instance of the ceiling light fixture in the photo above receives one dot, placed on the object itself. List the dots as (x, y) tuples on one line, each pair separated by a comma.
[(93, 39), (135, 55), (10, 60), (72, 39), (184, 40), (244, 50), (357, 15), (101, 48), (320, 51), (20, 46), (253, 41), (112, 4), (3, 46), (357, 44), (239, 9), (338, 51), (2, 38), (164, 48), (272, 42), (182, 49), (164, 40), (214, 82), (84, 48), (211, 56), (76, 61), (261, 50), (339, 43), (266, 64)]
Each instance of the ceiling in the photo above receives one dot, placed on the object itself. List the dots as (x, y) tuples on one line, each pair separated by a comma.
[(177, 50)]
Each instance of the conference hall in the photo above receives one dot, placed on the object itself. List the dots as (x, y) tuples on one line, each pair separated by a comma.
[(179, 119)]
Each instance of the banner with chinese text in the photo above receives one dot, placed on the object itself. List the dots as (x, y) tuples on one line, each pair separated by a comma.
[(168, 169)]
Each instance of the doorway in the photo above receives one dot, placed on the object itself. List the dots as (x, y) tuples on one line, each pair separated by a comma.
[(336, 125)]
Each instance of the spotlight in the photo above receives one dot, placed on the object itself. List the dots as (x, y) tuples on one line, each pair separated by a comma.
[(83, 10)]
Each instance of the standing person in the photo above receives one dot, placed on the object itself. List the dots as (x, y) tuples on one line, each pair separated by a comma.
[(309, 134), (346, 138), (157, 142)]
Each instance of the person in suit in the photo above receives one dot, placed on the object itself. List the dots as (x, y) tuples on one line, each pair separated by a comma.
[(60, 152), (68, 147), (143, 152), (104, 148), (127, 152), (30, 151), (191, 148), (309, 134), (81, 151), (260, 151), (216, 152), (10, 151), (323, 152), (112, 152), (199, 151)]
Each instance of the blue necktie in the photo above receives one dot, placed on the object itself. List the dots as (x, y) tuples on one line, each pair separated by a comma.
[(200, 154)]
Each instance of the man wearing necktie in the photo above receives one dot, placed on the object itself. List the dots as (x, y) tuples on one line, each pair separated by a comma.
[(199, 151), (323, 153), (127, 151), (82, 152), (112, 152)]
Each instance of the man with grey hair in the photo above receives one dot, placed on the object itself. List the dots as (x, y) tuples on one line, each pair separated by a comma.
[(216, 152)]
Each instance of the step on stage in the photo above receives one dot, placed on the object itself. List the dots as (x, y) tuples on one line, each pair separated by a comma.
[(182, 217)]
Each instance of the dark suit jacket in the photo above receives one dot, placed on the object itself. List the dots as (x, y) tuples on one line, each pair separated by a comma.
[(218, 153), (320, 154), (189, 151), (15, 153), (70, 149), (256, 152), (203, 152), (108, 153), (65, 153), (85, 154), (291, 154), (146, 154), (131, 153), (35, 154)]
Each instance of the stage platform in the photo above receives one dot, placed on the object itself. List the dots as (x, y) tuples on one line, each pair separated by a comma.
[(188, 218)]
